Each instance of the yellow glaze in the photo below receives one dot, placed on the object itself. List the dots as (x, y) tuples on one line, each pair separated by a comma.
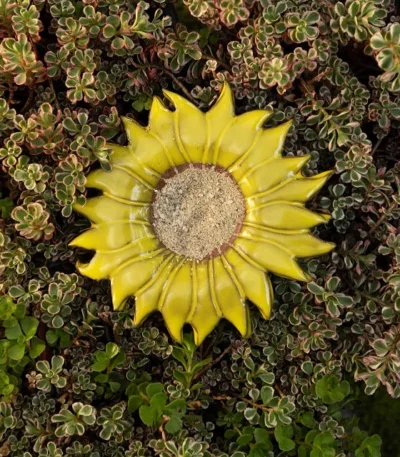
[(274, 234)]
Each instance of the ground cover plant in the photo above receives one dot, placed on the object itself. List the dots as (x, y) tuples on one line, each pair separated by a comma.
[(321, 377)]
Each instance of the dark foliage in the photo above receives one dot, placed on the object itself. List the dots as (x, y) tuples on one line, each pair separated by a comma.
[(76, 379)]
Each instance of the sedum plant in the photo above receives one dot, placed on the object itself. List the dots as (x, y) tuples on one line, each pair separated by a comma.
[(319, 377), (50, 374), (74, 422)]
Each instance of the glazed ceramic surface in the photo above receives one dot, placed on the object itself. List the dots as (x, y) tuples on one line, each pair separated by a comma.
[(275, 231)]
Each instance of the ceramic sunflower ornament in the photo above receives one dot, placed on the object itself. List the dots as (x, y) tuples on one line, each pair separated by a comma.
[(198, 209)]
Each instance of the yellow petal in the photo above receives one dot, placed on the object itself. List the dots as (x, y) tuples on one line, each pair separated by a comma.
[(104, 263), (217, 118), (238, 137), (162, 124), (123, 158), (132, 275), (112, 235), (271, 256), (255, 282), (204, 317), (268, 145), (119, 183), (263, 177), (177, 299), (230, 296), (298, 189), (147, 148), (190, 128), (148, 296), (285, 216), (105, 208), (299, 244)]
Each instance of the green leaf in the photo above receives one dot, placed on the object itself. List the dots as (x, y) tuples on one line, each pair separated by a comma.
[(112, 350), (158, 401), (37, 347), (148, 415), (250, 413), (118, 360), (12, 333), (323, 445), (179, 355), (6, 207), (315, 288), (16, 351), (310, 436), (134, 403), (101, 378), (201, 364), (333, 283), (114, 386), (267, 393), (330, 390), (99, 366), (262, 436), (302, 451), (51, 337), (307, 419), (282, 434), (176, 407), (173, 425), (244, 440), (57, 322), (57, 363), (154, 388), (29, 326), (370, 447)]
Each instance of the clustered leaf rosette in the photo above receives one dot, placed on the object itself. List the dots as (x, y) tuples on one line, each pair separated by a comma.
[(274, 231)]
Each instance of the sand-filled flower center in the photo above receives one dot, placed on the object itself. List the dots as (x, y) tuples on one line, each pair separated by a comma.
[(198, 211)]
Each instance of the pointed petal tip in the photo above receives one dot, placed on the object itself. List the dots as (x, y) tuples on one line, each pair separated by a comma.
[(265, 315), (157, 104), (118, 300), (175, 333), (306, 157), (171, 96), (139, 318), (325, 174), (174, 326), (226, 93), (226, 86), (306, 277), (198, 339), (200, 333), (79, 208), (330, 247), (81, 267), (285, 126), (73, 244), (248, 330), (90, 271), (126, 119), (118, 306)]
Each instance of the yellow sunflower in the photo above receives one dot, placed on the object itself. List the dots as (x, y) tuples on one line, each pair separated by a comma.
[(197, 210)]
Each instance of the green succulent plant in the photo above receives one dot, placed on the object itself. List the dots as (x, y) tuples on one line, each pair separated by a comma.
[(74, 422), (50, 374), (320, 377)]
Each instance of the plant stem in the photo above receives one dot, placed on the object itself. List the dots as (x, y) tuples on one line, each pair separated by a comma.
[(383, 217)]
